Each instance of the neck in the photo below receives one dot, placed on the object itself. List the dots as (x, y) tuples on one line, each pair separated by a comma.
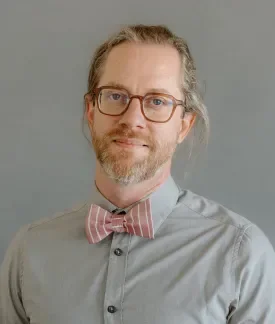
[(124, 196)]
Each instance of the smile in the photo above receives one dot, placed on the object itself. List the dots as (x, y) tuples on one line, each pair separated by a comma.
[(129, 143)]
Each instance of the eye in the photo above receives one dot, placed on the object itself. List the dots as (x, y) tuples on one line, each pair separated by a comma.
[(157, 101), (115, 96)]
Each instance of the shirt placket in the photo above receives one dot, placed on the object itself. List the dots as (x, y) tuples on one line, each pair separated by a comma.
[(117, 267)]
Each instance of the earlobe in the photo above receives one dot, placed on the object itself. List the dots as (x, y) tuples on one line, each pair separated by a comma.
[(89, 109), (186, 125)]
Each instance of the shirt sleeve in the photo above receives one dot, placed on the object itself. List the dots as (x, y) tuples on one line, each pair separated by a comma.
[(11, 270), (254, 267)]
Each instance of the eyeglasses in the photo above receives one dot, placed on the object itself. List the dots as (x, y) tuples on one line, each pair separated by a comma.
[(155, 107)]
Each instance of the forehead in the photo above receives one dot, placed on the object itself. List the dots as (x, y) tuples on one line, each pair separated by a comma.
[(143, 66)]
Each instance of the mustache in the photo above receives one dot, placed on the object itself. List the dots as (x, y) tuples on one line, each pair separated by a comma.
[(126, 132)]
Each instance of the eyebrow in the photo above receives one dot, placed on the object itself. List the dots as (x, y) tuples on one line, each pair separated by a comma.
[(120, 85)]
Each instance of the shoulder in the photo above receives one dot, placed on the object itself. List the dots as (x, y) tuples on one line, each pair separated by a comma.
[(254, 245), (79, 208), (19, 239), (212, 210), (250, 241)]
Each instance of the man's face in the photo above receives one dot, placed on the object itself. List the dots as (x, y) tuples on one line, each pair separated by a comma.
[(139, 68)]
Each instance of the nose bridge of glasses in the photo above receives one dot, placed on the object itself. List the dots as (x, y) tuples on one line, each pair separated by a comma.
[(134, 113), (140, 99)]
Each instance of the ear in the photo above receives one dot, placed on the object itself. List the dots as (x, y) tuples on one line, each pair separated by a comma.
[(186, 125), (89, 109)]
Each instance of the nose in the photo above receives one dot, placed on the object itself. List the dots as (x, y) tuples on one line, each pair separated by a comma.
[(133, 116)]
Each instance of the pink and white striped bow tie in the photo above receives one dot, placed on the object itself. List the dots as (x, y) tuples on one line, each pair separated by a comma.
[(138, 221)]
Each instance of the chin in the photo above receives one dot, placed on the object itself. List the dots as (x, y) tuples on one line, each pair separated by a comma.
[(124, 155)]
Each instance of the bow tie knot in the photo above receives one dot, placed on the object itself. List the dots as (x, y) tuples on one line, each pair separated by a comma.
[(118, 223)]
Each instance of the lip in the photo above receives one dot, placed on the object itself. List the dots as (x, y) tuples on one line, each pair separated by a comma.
[(129, 142)]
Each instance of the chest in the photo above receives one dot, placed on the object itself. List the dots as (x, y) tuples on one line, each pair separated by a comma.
[(129, 280)]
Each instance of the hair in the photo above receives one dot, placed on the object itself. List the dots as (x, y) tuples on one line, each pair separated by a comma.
[(159, 34)]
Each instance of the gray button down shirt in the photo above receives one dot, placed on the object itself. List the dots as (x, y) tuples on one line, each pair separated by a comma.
[(206, 265)]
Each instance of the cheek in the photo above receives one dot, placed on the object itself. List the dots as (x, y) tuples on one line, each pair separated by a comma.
[(166, 133), (102, 124)]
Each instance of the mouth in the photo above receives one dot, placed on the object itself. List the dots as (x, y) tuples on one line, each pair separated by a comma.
[(129, 143)]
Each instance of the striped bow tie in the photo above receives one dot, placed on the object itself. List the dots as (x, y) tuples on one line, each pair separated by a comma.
[(138, 221)]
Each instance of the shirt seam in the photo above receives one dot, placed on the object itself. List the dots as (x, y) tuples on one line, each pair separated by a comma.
[(22, 271), (45, 221), (22, 248), (217, 220), (123, 286), (169, 211), (235, 255), (236, 248)]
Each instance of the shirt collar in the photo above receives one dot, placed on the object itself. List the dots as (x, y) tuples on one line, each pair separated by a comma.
[(163, 201)]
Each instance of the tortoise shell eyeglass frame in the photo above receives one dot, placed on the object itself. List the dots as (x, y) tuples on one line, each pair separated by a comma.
[(176, 102)]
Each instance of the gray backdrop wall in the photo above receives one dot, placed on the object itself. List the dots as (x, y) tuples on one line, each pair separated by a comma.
[(47, 166)]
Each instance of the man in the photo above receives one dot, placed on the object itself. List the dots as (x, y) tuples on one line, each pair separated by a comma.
[(157, 254)]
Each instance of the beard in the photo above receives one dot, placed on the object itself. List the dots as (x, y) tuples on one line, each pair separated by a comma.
[(125, 167)]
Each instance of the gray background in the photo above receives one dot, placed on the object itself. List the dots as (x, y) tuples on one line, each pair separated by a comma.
[(47, 166)]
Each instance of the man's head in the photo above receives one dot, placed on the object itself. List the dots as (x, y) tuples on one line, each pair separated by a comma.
[(136, 137)]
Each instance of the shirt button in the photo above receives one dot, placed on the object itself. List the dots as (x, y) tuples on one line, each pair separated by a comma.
[(111, 309), (118, 252)]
